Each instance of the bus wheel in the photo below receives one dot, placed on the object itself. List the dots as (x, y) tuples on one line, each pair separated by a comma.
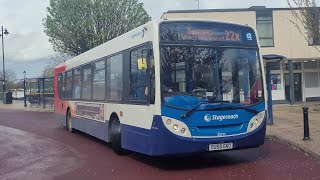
[(115, 138), (69, 122)]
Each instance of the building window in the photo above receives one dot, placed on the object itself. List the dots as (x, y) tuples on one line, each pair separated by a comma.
[(276, 82), (313, 41), (311, 64), (312, 79), (296, 66), (114, 78), (99, 77), (138, 75), (76, 84), (86, 83), (275, 66), (313, 26), (265, 28)]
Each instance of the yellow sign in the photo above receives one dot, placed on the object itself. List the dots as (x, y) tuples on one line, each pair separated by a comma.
[(142, 64)]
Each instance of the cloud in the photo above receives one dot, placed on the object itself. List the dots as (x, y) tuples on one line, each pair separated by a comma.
[(157, 8), (23, 19)]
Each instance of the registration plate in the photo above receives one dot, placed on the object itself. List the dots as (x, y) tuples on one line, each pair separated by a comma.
[(219, 147)]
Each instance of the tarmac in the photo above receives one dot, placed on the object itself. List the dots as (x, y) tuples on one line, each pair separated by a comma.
[(287, 124)]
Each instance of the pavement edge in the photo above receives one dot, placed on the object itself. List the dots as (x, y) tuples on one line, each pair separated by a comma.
[(294, 145)]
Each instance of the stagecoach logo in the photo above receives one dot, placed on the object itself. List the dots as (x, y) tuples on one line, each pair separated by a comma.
[(140, 33), (209, 117)]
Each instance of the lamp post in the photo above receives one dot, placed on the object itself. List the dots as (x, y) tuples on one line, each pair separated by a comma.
[(3, 32), (24, 89)]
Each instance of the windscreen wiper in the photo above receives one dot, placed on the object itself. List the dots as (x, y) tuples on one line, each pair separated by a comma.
[(247, 108), (193, 109)]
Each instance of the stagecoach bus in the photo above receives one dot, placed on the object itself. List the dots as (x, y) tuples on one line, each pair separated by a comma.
[(168, 87)]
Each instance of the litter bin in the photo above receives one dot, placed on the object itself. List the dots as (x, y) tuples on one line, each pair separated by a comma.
[(8, 99)]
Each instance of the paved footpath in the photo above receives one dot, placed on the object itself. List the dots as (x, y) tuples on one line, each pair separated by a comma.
[(34, 145), (288, 126)]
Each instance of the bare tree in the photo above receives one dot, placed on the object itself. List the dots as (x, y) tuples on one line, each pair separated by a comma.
[(306, 15), (56, 59), (10, 79)]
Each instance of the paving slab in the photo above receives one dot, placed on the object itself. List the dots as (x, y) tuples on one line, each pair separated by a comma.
[(288, 125)]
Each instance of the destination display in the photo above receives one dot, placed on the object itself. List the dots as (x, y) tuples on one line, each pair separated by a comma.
[(206, 32)]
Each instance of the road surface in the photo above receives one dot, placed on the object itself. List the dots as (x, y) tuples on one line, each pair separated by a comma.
[(36, 146)]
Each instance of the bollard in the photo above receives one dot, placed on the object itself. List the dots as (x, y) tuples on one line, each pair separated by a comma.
[(306, 123)]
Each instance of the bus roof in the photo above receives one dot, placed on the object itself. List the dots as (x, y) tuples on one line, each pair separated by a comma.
[(128, 40)]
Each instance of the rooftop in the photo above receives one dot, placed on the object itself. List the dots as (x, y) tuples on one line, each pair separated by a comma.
[(252, 8)]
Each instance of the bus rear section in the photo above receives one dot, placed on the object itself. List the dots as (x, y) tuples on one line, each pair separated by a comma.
[(60, 105)]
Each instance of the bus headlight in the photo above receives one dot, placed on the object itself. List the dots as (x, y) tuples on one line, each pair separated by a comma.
[(183, 130), (256, 121), (176, 127)]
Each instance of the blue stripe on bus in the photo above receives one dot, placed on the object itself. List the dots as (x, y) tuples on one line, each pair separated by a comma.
[(136, 139)]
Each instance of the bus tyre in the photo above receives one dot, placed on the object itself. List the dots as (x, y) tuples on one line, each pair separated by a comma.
[(115, 138), (69, 122)]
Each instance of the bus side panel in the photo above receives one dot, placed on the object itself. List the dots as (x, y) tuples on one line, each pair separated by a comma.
[(91, 127)]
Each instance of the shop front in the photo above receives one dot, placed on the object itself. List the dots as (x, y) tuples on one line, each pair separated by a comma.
[(296, 81)]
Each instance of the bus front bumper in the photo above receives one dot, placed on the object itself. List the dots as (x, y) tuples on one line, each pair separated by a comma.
[(163, 142)]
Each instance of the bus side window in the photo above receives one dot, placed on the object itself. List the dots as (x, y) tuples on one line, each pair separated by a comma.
[(152, 76), (59, 85), (68, 90), (139, 75), (76, 82), (63, 85)]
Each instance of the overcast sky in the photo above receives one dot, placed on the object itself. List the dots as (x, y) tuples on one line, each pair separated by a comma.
[(27, 47)]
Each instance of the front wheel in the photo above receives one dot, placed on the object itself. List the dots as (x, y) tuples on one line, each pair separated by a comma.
[(115, 138)]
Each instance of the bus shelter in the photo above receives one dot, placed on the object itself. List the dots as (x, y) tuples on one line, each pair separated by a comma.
[(39, 92), (270, 60)]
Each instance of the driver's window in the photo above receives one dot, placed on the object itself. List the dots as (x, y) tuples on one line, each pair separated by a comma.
[(139, 82), (179, 75)]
